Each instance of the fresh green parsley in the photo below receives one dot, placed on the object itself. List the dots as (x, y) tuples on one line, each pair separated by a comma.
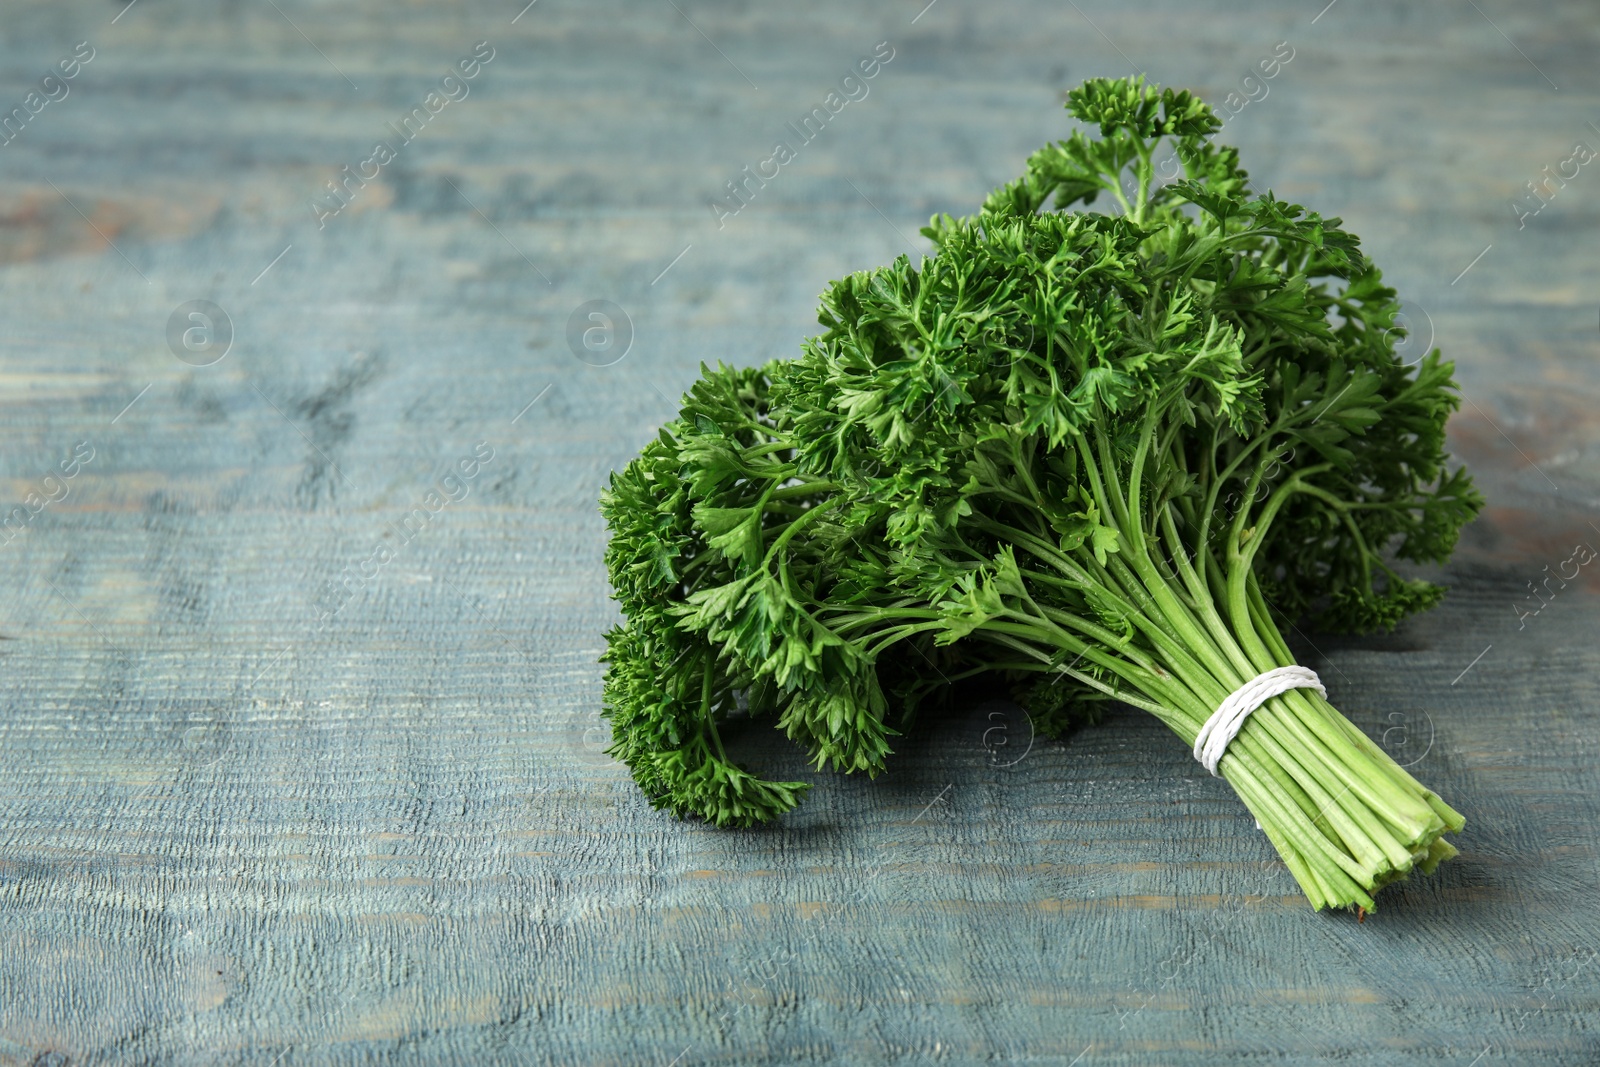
[(1091, 456)]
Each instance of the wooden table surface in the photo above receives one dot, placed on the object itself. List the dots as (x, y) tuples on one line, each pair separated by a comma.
[(266, 800)]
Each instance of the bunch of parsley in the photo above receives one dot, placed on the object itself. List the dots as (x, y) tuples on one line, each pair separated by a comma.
[(1094, 456)]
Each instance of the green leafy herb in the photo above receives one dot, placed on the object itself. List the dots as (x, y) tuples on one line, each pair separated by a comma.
[(1096, 457)]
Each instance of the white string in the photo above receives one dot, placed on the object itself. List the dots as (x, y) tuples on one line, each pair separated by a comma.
[(1226, 722)]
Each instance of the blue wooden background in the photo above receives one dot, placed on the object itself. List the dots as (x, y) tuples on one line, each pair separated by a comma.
[(286, 778)]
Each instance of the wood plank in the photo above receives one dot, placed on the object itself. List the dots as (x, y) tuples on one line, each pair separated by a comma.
[(227, 836)]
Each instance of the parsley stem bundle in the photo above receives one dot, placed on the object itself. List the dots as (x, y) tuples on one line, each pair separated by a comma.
[(1343, 815), (1093, 457)]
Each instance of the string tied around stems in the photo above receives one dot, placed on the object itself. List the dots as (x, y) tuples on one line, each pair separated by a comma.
[(1226, 722)]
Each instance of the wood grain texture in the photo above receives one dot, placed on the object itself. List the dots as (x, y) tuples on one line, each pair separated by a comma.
[(229, 835)]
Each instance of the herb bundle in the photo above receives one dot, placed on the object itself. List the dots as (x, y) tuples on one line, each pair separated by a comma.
[(1093, 456)]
